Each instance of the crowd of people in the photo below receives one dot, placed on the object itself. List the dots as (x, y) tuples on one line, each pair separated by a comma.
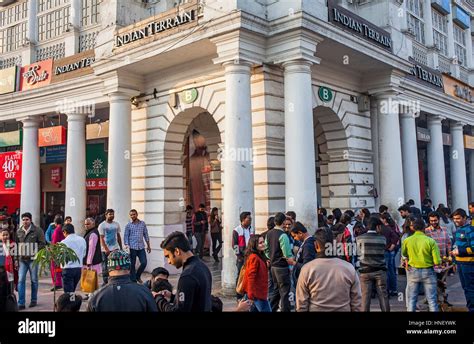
[(351, 258)]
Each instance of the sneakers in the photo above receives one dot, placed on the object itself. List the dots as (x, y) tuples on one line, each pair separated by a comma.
[(216, 259), (55, 288), (32, 304)]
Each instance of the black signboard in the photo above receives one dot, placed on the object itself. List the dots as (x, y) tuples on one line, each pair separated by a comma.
[(426, 75)]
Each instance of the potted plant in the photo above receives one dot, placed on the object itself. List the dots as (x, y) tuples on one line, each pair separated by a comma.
[(60, 255)]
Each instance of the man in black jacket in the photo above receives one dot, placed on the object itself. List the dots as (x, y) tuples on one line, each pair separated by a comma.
[(120, 294), (307, 250), (195, 282)]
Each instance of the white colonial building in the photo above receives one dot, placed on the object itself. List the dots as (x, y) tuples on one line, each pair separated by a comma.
[(341, 104)]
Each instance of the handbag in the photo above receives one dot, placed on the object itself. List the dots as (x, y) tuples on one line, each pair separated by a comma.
[(89, 281), (240, 281)]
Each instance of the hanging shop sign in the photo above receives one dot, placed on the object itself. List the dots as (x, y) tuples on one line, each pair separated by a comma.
[(52, 136), (10, 138), (9, 80), (73, 66), (53, 177), (425, 75), (56, 176), (358, 26), (36, 75), (151, 27), (53, 154), (96, 167), (458, 89), (423, 134), (468, 142), (447, 139), (188, 96), (10, 172), (325, 94), (97, 130)]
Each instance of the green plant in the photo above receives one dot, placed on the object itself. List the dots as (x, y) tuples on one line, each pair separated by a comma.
[(58, 254)]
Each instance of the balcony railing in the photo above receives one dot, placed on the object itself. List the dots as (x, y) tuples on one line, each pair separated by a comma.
[(463, 74), (444, 64), (420, 53)]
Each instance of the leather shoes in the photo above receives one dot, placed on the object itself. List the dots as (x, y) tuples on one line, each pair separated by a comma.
[(32, 304), (21, 307)]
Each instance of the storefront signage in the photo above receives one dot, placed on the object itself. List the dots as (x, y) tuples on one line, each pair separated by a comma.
[(325, 94), (458, 89), (36, 75), (96, 167), (154, 27), (8, 80), (52, 136), (423, 134), (447, 139), (359, 26), (10, 172), (73, 66), (53, 154), (426, 75), (97, 130), (442, 6), (56, 176), (189, 96), (468, 142), (10, 138), (461, 17)]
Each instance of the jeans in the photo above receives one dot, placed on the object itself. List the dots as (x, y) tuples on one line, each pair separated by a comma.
[(189, 235), (105, 271), (200, 244), (26, 266), (281, 289), (427, 279), (216, 237), (261, 306), (466, 275), (71, 278), (379, 278), (391, 271), (141, 254)]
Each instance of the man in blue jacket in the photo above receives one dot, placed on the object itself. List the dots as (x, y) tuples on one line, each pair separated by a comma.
[(306, 251)]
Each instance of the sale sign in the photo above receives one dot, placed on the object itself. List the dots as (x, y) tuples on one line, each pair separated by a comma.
[(10, 172)]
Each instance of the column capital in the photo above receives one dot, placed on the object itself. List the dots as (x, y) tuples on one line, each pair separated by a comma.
[(237, 67), (384, 84), (297, 66), (457, 125), (295, 45), (238, 47), (408, 114), (435, 119), (75, 116), (118, 96), (30, 121)]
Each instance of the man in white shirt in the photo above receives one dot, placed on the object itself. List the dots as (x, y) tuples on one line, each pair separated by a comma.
[(72, 270), (110, 240)]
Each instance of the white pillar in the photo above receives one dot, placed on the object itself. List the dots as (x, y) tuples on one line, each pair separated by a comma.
[(471, 174), (32, 33), (76, 171), (119, 187), (436, 172), (238, 172), (300, 176), (458, 168), (30, 200), (428, 19), (470, 59), (390, 154), (411, 177)]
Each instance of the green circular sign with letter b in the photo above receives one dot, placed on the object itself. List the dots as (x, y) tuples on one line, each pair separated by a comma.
[(325, 94), (189, 96)]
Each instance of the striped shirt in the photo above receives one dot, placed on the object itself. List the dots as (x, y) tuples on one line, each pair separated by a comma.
[(371, 248), (134, 234), (441, 237), (189, 223)]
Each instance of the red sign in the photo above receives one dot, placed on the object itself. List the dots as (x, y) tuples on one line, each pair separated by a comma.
[(36, 75), (93, 202), (57, 176), (96, 184), (52, 136), (10, 172)]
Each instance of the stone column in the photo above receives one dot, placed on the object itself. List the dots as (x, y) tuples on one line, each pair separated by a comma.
[(436, 168), (30, 200), (411, 176), (76, 193), (458, 168)]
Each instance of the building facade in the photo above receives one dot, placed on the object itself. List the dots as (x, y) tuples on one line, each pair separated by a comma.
[(246, 106)]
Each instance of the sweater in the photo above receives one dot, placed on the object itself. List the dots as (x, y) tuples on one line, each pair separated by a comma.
[(372, 252), (255, 282)]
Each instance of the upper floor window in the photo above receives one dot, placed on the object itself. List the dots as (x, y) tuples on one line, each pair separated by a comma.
[(45, 5), (440, 32), (90, 12), (14, 14), (460, 45), (415, 19), (53, 24), (12, 37)]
